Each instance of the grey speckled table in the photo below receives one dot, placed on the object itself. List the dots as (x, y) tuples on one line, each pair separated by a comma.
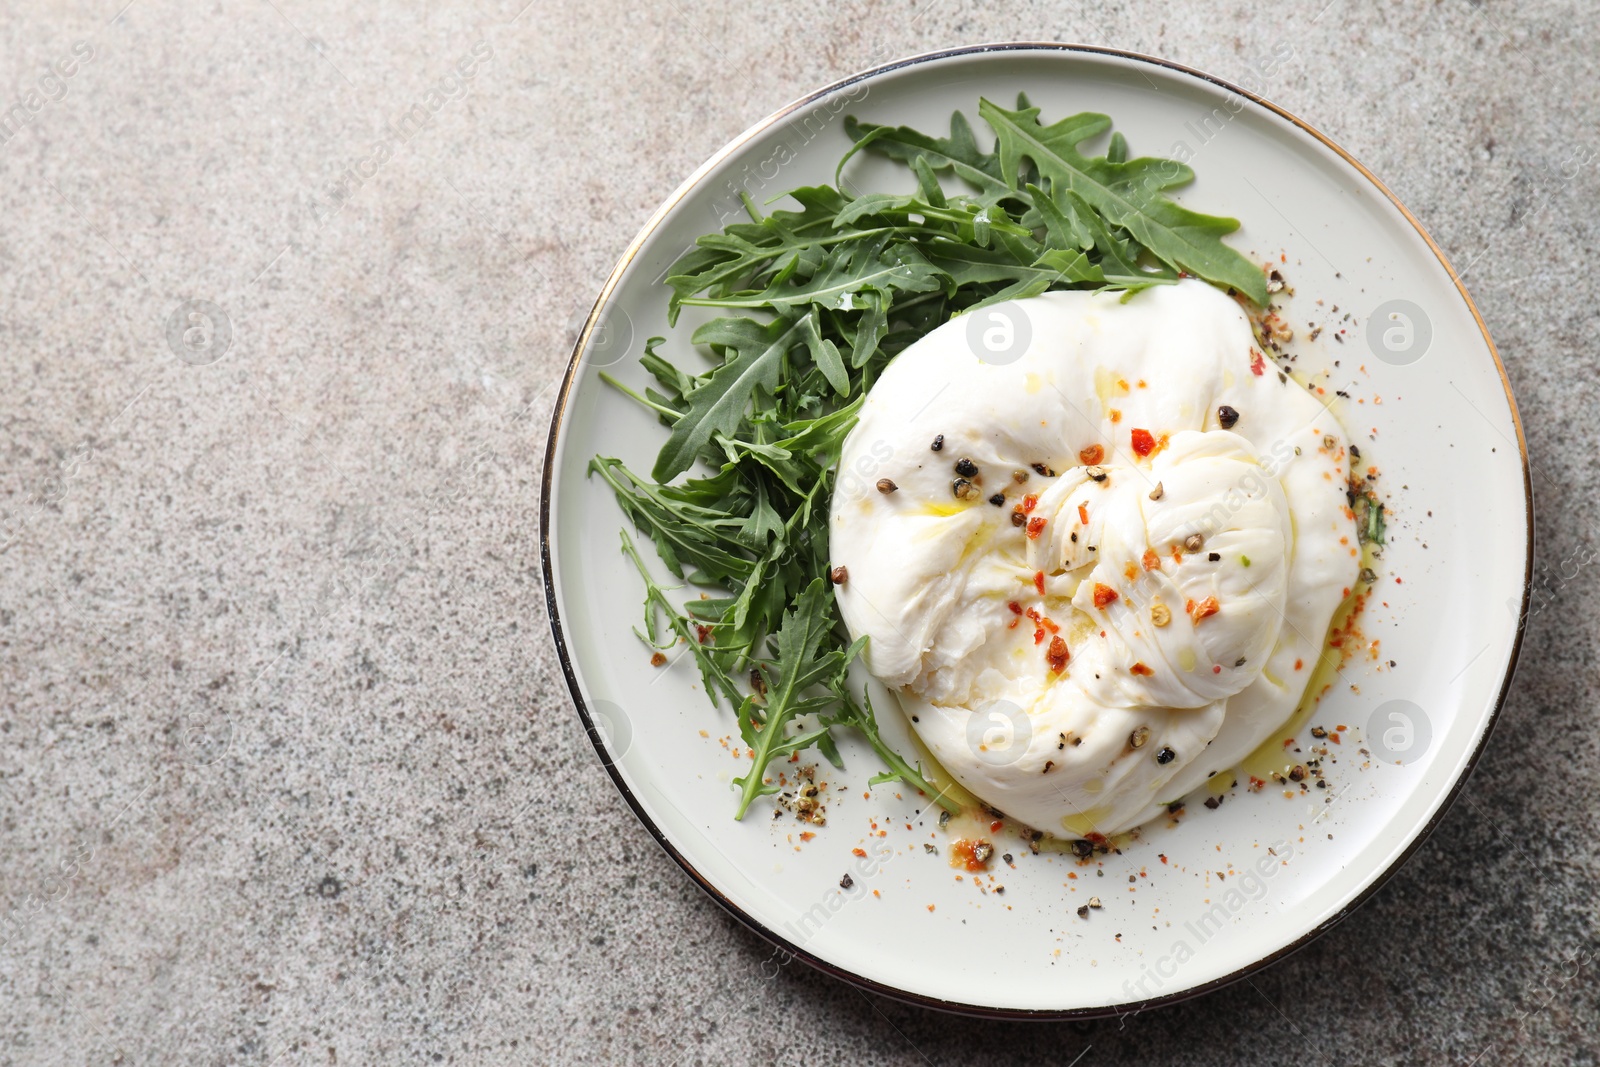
[(287, 771)]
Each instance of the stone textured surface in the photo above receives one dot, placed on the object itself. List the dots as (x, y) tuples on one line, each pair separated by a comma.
[(287, 771)]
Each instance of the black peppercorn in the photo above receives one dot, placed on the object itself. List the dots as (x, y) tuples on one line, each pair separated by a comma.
[(965, 467), (998, 500), (938, 443), (1166, 755), (1227, 416)]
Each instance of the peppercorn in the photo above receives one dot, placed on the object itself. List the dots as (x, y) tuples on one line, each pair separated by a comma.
[(1214, 557), (998, 500), (962, 489), (1227, 416), (840, 574), (1017, 517), (965, 467), (1082, 849), (1165, 756), (1139, 737), (1040, 468), (1193, 543), (938, 443), (886, 486)]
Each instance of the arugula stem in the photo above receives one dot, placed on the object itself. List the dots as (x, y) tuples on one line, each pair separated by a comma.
[(644, 401)]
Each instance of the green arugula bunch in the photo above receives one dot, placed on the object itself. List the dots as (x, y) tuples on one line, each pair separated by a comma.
[(819, 300)]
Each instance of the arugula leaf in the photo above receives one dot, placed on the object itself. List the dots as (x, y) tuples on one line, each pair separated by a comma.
[(861, 717), (849, 269), (799, 664), (656, 603), (957, 153), (719, 403), (1127, 194)]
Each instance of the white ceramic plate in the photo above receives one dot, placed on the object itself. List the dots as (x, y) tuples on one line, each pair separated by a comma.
[(1445, 434)]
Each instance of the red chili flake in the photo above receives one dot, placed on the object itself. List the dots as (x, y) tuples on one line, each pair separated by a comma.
[(1092, 455), (1036, 527), (702, 632), (1103, 595), (1038, 581), (1144, 442), (996, 826), (1030, 502), (657, 659), (1141, 670), (1083, 514), (1152, 561), (1335, 739), (1116, 416), (1057, 655), (1038, 635), (806, 835), (858, 852), (1258, 363), (1299, 663), (1203, 609), (1016, 609), (1217, 669)]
